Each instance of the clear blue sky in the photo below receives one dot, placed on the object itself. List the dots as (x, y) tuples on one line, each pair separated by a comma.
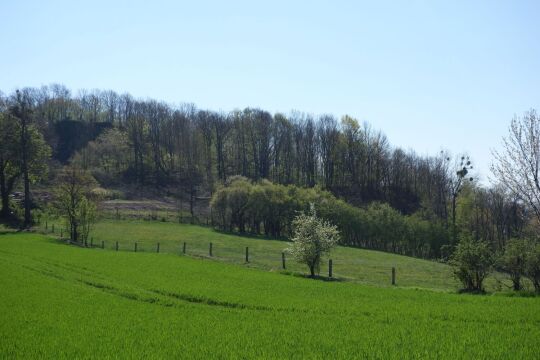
[(430, 75)]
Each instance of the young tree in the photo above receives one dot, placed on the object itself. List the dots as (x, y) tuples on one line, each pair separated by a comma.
[(313, 238), (74, 202), (513, 260), (517, 167), (472, 261), (86, 213)]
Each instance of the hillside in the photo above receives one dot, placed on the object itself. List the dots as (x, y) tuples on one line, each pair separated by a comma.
[(349, 264), (67, 302)]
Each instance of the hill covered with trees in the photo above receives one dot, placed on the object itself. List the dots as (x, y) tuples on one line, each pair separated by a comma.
[(261, 168)]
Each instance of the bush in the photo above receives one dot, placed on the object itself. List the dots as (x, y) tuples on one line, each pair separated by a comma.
[(532, 265), (513, 260), (472, 261)]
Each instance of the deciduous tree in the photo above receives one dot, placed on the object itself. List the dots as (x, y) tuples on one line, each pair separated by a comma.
[(313, 238), (73, 201), (517, 166)]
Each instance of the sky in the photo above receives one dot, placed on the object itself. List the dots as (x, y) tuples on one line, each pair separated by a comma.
[(432, 75)]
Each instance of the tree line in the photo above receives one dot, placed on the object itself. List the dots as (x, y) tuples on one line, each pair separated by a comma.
[(261, 207), (192, 153)]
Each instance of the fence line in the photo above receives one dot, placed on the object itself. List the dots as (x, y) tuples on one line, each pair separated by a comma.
[(211, 253)]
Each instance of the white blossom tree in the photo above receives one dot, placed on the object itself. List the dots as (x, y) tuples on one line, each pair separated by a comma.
[(313, 238)]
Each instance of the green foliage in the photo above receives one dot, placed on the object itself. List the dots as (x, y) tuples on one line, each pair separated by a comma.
[(264, 207), (353, 264), (312, 239), (73, 202), (86, 215), (472, 262), (38, 153), (513, 260), (10, 144), (532, 265), (65, 302), (106, 157)]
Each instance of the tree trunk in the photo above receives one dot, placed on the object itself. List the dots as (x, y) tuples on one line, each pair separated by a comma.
[(192, 201), (4, 193), (454, 235), (75, 233), (516, 282), (26, 178)]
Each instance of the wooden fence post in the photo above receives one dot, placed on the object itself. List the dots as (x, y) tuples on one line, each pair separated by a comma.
[(247, 254), (283, 260), (157, 249), (210, 249), (330, 268), (393, 276), (92, 241), (61, 233), (117, 246), (135, 246), (102, 244), (53, 228), (46, 225), (184, 248)]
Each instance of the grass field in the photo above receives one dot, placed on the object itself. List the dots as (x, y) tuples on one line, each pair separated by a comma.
[(351, 264), (63, 301)]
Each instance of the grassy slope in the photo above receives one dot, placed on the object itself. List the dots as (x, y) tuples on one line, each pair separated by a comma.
[(358, 265), (63, 302)]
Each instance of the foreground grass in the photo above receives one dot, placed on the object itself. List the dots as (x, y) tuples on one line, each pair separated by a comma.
[(62, 301)]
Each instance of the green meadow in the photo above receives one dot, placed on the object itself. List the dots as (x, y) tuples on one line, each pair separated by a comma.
[(349, 264), (62, 301)]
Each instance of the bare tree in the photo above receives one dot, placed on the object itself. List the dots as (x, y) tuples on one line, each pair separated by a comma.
[(517, 166), (457, 181)]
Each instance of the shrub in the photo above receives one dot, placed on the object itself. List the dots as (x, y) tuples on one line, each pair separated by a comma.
[(532, 265), (512, 260), (472, 261)]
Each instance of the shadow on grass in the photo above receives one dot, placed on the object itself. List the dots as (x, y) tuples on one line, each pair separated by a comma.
[(316, 277), (7, 231), (248, 235), (472, 292), (520, 293)]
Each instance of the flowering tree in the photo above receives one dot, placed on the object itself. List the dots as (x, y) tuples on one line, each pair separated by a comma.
[(313, 238), (517, 165)]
